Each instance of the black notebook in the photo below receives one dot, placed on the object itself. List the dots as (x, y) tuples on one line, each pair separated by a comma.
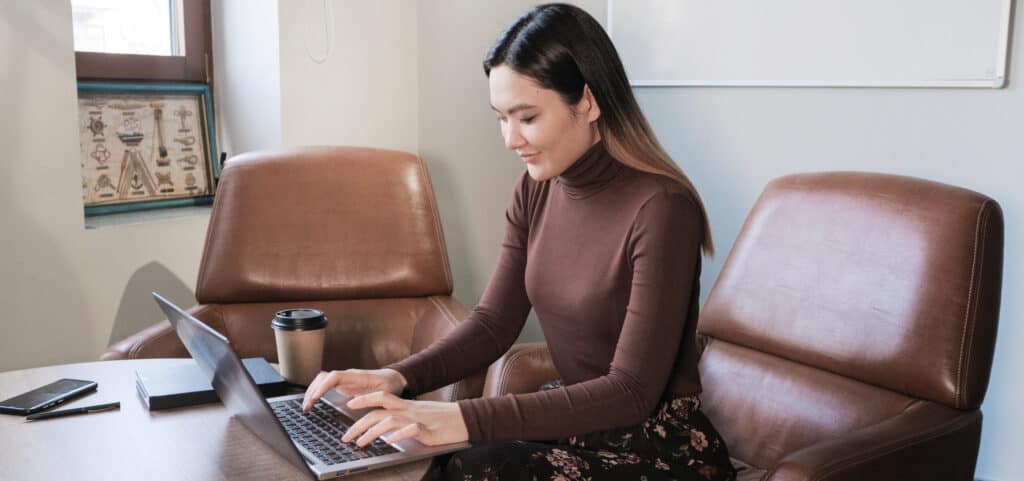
[(185, 385)]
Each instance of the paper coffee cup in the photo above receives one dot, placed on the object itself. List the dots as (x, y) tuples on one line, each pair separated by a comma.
[(299, 334)]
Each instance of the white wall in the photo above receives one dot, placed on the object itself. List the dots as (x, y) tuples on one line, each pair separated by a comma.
[(61, 285), (364, 91), (247, 74)]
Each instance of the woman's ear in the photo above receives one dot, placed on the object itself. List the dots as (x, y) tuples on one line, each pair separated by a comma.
[(589, 104)]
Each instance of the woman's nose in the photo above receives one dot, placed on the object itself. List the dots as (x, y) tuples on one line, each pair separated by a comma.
[(513, 139)]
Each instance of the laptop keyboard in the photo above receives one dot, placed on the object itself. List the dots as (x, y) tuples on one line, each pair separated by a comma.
[(320, 431)]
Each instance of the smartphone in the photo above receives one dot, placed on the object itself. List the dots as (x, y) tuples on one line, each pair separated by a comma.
[(45, 397)]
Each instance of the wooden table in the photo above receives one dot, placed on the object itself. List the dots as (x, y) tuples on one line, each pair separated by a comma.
[(194, 443)]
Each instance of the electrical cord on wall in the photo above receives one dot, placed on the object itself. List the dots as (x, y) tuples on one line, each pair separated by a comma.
[(328, 31)]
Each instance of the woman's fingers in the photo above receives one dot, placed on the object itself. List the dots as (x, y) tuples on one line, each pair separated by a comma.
[(409, 431), (321, 384), (387, 424), (313, 386), (364, 423), (381, 399), (391, 404)]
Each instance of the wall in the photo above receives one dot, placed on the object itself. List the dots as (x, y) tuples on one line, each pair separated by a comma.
[(363, 91), (62, 285), (732, 141), (247, 74)]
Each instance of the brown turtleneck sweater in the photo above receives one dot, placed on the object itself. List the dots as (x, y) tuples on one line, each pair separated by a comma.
[(609, 256)]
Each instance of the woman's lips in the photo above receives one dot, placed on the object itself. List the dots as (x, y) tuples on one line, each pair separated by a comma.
[(528, 158)]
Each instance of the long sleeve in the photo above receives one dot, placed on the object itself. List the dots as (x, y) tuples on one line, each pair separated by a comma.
[(664, 252), (492, 326)]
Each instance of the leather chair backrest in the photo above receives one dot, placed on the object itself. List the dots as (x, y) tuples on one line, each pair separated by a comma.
[(323, 223), (846, 298)]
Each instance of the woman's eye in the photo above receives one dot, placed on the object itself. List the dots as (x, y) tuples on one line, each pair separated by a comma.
[(528, 119)]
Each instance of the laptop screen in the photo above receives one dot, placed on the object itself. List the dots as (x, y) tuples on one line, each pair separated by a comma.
[(231, 381)]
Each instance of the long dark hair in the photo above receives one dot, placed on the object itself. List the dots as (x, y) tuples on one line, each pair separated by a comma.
[(563, 48)]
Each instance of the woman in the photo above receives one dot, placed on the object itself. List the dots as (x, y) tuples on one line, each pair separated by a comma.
[(603, 238)]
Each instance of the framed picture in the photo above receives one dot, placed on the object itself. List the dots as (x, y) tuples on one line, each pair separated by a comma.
[(145, 146)]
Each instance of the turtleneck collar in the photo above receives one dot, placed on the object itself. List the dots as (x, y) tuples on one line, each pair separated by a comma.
[(591, 173)]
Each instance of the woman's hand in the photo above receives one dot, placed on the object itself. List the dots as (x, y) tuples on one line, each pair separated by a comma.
[(353, 382), (429, 422)]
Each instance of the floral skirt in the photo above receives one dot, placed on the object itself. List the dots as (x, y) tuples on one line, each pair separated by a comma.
[(676, 443)]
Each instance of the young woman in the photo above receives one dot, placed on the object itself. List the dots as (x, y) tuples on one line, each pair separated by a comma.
[(603, 238)]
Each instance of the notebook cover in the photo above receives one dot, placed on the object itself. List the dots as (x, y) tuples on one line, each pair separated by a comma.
[(185, 385)]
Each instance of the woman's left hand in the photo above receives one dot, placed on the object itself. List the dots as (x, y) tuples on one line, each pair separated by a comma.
[(429, 422)]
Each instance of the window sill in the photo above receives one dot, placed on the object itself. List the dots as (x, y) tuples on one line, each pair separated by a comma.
[(140, 217)]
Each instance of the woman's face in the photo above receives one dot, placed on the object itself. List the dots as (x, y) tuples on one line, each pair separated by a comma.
[(546, 133)]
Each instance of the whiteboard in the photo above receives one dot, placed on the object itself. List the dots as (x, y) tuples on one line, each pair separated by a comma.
[(828, 43)]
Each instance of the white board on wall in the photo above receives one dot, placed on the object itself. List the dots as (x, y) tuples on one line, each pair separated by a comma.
[(829, 43)]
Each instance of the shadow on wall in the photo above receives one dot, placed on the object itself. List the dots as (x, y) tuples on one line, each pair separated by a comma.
[(137, 309)]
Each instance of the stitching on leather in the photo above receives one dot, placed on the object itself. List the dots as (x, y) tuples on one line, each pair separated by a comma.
[(455, 390), (444, 310), (437, 225), (983, 230), (952, 426), (451, 320), (209, 234), (960, 381)]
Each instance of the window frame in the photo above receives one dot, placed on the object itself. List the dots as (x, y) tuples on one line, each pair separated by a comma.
[(195, 66)]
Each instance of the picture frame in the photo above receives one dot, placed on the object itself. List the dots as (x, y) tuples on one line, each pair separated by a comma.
[(146, 146)]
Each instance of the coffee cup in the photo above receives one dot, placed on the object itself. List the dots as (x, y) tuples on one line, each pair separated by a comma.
[(299, 334)]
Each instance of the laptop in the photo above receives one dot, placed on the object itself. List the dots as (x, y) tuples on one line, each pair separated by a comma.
[(310, 441)]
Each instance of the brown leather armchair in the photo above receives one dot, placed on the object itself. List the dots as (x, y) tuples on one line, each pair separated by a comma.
[(850, 333), (354, 232)]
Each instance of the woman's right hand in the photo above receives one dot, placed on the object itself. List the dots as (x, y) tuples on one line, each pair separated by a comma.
[(353, 382)]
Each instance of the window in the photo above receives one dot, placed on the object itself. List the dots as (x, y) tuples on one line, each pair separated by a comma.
[(161, 40)]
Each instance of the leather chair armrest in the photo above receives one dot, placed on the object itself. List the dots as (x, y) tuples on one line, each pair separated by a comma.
[(927, 441), (520, 370), (449, 313), (160, 340)]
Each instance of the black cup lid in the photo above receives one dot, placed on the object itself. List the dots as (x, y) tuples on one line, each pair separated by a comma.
[(300, 319)]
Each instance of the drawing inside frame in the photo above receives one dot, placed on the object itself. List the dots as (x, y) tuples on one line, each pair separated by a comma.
[(145, 146)]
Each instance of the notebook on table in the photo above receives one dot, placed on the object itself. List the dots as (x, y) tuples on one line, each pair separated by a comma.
[(169, 387)]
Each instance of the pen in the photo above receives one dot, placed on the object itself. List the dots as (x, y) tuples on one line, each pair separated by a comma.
[(71, 412)]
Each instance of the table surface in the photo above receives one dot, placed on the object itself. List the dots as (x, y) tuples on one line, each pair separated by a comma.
[(196, 443)]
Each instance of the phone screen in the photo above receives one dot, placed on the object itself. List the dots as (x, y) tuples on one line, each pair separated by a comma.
[(46, 396)]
